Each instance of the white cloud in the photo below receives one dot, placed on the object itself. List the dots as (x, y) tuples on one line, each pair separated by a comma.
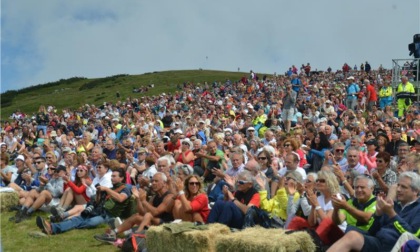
[(48, 40)]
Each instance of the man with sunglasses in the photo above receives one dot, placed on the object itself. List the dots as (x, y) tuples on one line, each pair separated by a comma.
[(232, 209), (392, 146), (336, 156), (48, 192)]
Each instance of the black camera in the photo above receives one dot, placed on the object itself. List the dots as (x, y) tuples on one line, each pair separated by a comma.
[(88, 211)]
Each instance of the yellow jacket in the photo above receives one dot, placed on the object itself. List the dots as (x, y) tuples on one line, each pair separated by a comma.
[(277, 206), (385, 92)]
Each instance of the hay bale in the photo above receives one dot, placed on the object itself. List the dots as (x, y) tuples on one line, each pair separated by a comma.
[(159, 239), (8, 199), (265, 240)]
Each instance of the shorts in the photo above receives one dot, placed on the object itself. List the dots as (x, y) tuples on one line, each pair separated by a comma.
[(371, 244), (287, 114)]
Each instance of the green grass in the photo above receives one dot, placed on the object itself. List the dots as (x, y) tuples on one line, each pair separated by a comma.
[(74, 92), (14, 237)]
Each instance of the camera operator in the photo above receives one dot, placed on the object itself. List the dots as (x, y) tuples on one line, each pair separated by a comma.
[(110, 202)]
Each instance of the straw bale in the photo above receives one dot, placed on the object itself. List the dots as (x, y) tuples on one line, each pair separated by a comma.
[(8, 199), (265, 240), (159, 239)]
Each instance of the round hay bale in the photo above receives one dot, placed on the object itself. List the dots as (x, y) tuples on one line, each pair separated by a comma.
[(8, 199), (160, 239), (265, 240)]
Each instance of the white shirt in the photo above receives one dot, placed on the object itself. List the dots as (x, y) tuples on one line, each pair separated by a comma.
[(282, 172)]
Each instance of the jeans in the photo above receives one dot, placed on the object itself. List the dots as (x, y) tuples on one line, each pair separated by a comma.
[(78, 222), (217, 192), (226, 212), (351, 103)]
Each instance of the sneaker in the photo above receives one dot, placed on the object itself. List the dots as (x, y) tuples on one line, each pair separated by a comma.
[(108, 238), (43, 225), (57, 211)]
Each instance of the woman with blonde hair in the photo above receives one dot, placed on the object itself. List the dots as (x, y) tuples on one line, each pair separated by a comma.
[(85, 144), (191, 204)]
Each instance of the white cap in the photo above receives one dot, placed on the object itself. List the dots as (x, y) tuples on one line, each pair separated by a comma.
[(178, 131), (228, 129), (350, 78), (20, 157), (250, 128)]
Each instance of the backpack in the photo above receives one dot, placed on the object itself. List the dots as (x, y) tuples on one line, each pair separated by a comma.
[(135, 242)]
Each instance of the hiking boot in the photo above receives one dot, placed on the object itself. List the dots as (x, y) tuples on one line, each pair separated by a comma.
[(43, 225), (22, 216), (107, 238)]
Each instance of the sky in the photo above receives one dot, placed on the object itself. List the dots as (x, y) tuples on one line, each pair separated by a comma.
[(48, 40)]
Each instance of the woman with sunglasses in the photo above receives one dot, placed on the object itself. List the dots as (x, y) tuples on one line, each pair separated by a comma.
[(264, 160), (320, 217), (75, 193), (191, 204), (382, 175), (291, 145)]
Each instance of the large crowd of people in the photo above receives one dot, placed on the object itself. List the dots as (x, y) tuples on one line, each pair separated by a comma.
[(334, 152)]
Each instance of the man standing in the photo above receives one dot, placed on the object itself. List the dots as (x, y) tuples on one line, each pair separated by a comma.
[(371, 95), (391, 219), (405, 92), (352, 91), (289, 103)]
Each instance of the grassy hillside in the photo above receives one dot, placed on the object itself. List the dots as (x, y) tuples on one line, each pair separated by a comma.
[(74, 92)]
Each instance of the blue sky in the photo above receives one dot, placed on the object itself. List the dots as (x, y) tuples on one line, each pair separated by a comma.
[(43, 41)]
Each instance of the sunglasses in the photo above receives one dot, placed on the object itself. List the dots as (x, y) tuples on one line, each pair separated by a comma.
[(194, 183), (289, 178), (320, 180), (48, 157), (242, 182), (339, 150), (262, 158), (186, 144), (38, 162), (80, 170), (286, 145), (52, 169)]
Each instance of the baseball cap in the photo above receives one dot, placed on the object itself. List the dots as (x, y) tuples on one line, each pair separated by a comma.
[(20, 157), (371, 142), (350, 78)]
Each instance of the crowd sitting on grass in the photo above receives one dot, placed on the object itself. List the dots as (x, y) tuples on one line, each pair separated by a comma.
[(334, 152)]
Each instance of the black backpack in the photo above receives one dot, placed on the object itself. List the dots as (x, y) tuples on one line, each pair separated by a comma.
[(135, 242)]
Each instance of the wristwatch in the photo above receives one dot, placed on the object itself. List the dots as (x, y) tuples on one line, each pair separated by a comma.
[(233, 200)]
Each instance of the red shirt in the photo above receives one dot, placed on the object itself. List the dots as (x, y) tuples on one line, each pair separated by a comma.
[(200, 204), (372, 91)]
